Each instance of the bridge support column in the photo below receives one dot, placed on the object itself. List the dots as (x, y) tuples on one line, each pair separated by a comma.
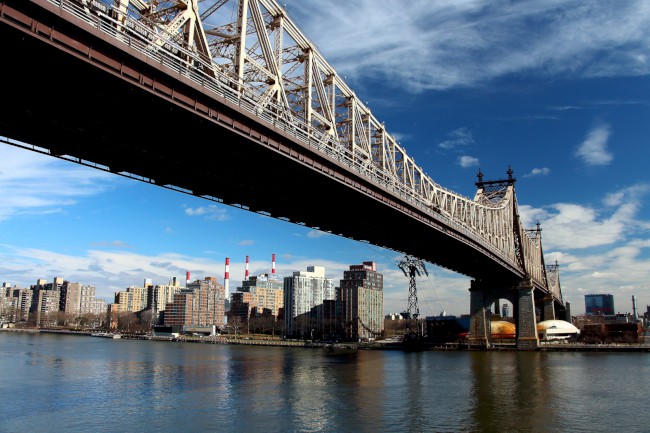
[(549, 307), (478, 322), (527, 338), (567, 312)]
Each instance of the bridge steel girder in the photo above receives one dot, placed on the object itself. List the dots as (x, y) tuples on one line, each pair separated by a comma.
[(96, 89)]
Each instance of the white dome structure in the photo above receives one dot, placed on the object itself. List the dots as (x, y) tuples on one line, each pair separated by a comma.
[(556, 330)]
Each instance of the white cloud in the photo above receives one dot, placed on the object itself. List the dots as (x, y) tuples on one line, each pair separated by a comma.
[(457, 138), (573, 226), (620, 271), (466, 161), (313, 234), (544, 171), (593, 150), (211, 212), (32, 183), (443, 44)]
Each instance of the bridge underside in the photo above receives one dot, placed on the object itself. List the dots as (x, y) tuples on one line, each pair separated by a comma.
[(530, 306), (111, 107)]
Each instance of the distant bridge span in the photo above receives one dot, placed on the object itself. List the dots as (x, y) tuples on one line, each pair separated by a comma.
[(246, 113)]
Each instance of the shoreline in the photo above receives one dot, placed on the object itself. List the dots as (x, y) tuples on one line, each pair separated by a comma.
[(375, 345)]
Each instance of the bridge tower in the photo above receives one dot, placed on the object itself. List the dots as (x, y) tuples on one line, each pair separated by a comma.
[(486, 291), (412, 267)]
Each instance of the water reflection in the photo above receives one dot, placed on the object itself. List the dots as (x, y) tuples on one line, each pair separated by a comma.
[(308, 379), (76, 384), (495, 390), (512, 390)]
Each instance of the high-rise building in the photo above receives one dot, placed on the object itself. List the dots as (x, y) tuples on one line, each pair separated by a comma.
[(9, 306), (240, 305), (304, 293), (599, 304), (70, 300), (45, 304), (200, 304), (133, 299), (45, 299), (267, 293), (24, 297), (360, 300), (159, 296)]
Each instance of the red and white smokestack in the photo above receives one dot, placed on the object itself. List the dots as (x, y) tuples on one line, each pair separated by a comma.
[(246, 274), (226, 280), (187, 277), (273, 264)]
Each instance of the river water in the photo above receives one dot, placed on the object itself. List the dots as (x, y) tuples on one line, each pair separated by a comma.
[(61, 383)]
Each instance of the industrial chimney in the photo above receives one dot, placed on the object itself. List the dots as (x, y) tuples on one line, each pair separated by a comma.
[(246, 274), (273, 264), (226, 280)]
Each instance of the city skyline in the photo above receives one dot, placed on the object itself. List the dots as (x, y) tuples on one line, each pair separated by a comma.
[(557, 91)]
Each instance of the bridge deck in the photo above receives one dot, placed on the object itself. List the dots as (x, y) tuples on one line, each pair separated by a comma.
[(113, 107)]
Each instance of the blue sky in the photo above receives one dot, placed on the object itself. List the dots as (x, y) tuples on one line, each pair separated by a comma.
[(559, 90)]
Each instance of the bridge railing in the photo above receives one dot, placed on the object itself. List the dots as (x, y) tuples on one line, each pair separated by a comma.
[(204, 72)]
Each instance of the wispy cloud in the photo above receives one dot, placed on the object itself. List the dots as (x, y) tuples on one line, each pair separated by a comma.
[(593, 150), (466, 161), (564, 108), (314, 234), (457, 138), (438, 45), (32, 183), (544, 171), (211, 212), (112, 244)]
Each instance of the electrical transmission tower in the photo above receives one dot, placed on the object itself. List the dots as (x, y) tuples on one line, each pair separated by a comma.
[(412, 267)]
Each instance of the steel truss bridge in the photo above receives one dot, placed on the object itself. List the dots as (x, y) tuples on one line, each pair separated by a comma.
[(229, 100)]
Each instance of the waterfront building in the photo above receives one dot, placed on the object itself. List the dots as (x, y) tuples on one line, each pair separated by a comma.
[(94, 305), (112, 313), (133, 299), (360, 298), (45, 304), (24, 303), (329, 329), (599, 304), (77, 300), (70, 299), (198, 306), (159, 296), (304, 294), (240, 305), (9, 308), (267, 293), (44, 301)]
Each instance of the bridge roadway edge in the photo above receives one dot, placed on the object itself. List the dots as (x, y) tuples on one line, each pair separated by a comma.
[(237, 175)]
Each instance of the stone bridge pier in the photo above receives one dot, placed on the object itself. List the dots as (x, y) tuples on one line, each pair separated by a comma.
[(522, 297)]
